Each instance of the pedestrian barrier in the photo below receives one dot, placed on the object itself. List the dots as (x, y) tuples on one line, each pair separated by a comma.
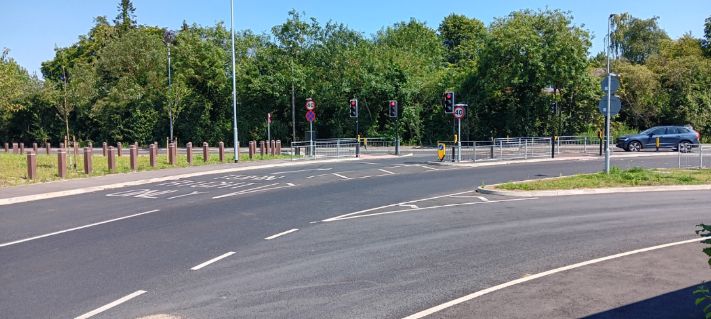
[(340, 147), (694, 156)]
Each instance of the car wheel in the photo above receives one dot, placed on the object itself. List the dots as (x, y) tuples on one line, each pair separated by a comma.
[(634, 146), (684, 146)]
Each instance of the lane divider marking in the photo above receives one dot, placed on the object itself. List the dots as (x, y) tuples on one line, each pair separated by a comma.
[(213, 260), (489, 290), (341, 176), (281, 234), (386, 171), (111, 305), (76, 228)]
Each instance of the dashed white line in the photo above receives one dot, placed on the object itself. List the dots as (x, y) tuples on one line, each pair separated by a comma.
[(76, 228), (302, 170), (483, 199), (262, 188), (213, 260), (281, 234), (190, 194), (111, 305), (429, 168), (341, 176), (480, 293), (386, 171)]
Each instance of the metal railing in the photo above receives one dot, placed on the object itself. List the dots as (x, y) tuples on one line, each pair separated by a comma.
[(694, 156), (577, 145), (340, 147)]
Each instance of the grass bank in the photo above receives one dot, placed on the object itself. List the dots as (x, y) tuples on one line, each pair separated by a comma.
[(13, 167), (617, 178)]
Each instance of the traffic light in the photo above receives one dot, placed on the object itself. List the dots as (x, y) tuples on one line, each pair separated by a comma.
[(448, 100), (554, 107), (354, 108), (392, 108)]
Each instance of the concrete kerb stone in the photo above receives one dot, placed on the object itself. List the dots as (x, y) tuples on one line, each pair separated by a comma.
[(491, 190), (79, 191)]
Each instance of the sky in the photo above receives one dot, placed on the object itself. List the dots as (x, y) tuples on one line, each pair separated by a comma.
[(31, 29)]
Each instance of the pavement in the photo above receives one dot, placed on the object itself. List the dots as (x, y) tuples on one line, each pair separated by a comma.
[(373, 238)]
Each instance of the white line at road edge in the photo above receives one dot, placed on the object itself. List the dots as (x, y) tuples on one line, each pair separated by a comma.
[(281, 234), (111, 305), (480, 293), (76, 228), (213, 260)]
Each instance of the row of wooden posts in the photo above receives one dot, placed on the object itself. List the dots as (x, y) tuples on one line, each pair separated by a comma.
[(265, 147)]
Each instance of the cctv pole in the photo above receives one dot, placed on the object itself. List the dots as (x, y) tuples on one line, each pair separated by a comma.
[(234, 82), (609, 98)]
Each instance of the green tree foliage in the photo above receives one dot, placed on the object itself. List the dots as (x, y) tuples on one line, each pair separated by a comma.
[(636, 39), (112, 84)]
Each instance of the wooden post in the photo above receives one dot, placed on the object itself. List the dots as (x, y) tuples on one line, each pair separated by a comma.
[(222, 152), (48, 146), (272, 149), (105, 147), (34, 148), (251, 150), (205, 152), (31, 165), (7, 147), (88, 154), (171, 158), (111, 159), (133, 157), (278, 147), (14, 148), (261, 148), (152, 153), (118, 148), (62, 163), (189, 152), (22, 148)]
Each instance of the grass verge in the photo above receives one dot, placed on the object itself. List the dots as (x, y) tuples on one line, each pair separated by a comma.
[(13, 167), (617, 178)]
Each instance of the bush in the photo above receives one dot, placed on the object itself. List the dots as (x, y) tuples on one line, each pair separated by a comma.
[(703, 295)]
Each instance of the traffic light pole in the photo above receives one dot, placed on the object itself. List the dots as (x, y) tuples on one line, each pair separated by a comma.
[(397, 136), (357, 136)]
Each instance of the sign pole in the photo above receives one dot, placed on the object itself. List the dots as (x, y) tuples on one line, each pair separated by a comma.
[(311, 138), (459, 139), (609, 97), (269, 126)]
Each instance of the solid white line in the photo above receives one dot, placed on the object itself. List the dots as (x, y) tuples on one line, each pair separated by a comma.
[(393, 205), (76, 228), (111, 305), (341, 176), (302, 170), (483, 199), (386, 171), (480, 293), (281, 234), (244, 191), (184, 195), (430, 207), (223, 256)]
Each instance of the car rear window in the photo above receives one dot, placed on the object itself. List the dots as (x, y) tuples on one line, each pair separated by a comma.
[(673, 130), (683, 130)]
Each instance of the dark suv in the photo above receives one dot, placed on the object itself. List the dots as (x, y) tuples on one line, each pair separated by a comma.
[(676, 137)]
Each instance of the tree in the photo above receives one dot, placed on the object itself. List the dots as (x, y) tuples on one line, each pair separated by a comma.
[(126, 19), (636, 39), (640, 91), (707, 36), (463, 37)]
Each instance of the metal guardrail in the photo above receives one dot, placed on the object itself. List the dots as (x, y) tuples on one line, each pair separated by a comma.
[(515, 148)]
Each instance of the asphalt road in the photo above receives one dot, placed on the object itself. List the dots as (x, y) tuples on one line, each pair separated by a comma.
[(375, 262)]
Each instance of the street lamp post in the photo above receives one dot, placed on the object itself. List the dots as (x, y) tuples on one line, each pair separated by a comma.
[(234, 82), (169, 38), (607, 113)]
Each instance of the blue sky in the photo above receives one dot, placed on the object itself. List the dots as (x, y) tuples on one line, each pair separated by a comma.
[(32, 28)]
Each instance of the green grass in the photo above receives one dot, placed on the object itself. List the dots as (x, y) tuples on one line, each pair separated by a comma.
[(14, 166), (618, 178)]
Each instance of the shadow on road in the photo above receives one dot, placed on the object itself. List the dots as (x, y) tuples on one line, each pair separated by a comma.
[(675, 304)]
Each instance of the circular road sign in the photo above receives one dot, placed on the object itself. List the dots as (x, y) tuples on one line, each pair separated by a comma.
[(310, 104), (458, 111), (614, 79), (615, 105), (310, 116)]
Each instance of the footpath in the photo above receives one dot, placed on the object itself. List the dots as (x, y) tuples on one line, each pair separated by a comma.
[(653, 284)]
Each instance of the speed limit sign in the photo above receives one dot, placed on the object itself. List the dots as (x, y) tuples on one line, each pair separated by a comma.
[(459, 111), (310, 104)]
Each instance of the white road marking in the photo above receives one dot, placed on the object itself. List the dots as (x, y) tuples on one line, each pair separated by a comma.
[(429, 168), (386, 171), (411, 206), (111, 305), (483, 199), (315, 222), (76, 228), (303, 170), (341, 176), (423, 208), (190, 194), (262, 188), (396, 204), (281, 234), (480, 293), (213, 260), (369, 163)]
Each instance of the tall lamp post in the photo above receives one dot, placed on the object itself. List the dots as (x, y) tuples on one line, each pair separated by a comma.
[(234, 82), (169, 38), (607, 113)]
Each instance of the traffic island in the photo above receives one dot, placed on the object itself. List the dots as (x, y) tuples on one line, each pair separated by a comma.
[(618, 181)]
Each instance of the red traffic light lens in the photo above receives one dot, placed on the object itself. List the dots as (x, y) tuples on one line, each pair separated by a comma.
[(449, 95), (392, 103), (353, 103)]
